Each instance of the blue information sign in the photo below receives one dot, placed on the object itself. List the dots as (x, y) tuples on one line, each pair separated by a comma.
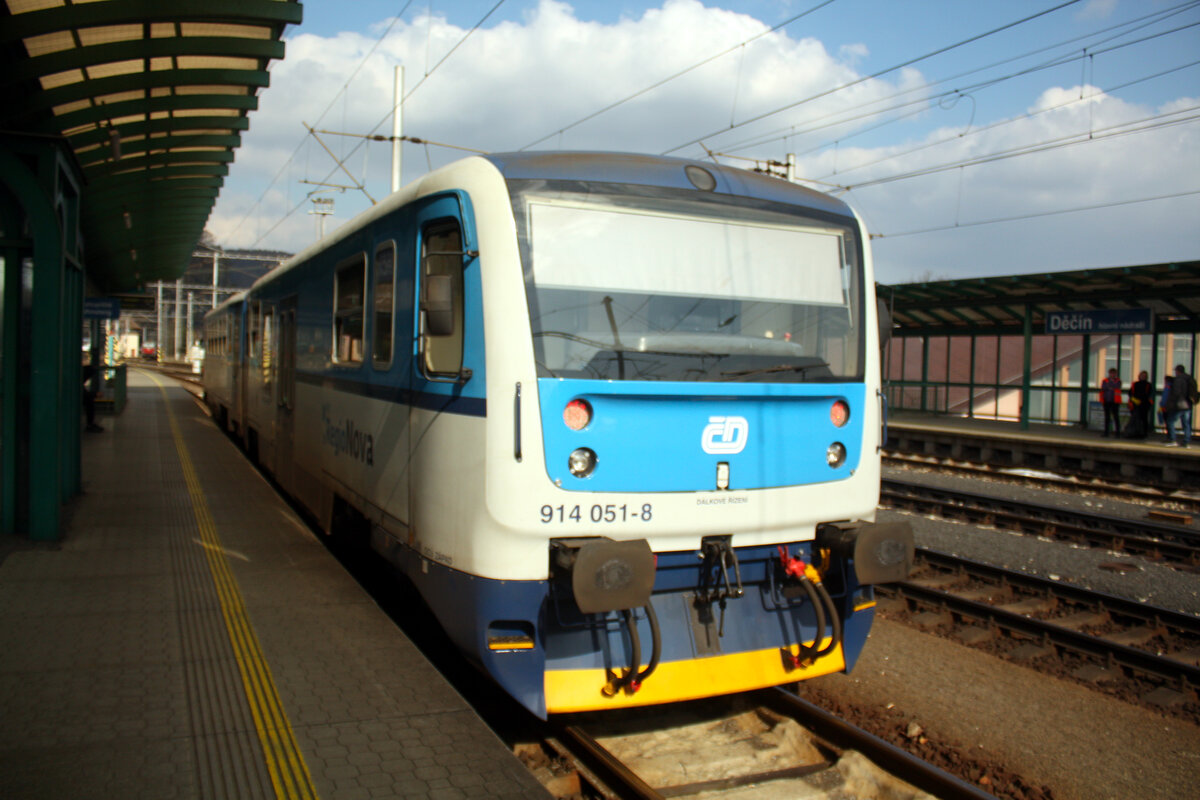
[(1122, 320), (101, 307)]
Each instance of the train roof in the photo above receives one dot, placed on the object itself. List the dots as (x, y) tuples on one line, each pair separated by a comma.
[(665, 171), (601, 167), (227, 303)]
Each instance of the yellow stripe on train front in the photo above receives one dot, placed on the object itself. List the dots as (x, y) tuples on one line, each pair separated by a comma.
[(570, 690)]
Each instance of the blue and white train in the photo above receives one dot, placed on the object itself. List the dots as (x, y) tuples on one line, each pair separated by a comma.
[(617, 417)]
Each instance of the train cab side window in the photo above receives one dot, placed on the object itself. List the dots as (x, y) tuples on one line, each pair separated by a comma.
[(442, 295), (385, 281), (349, 299)]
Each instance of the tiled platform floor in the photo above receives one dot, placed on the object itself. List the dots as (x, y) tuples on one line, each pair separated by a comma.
[(119, 677)]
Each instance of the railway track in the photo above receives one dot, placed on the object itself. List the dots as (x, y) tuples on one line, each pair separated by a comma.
[(1177, 544), (1106, 638), (764, 740), (1090, 484), (184, 375)]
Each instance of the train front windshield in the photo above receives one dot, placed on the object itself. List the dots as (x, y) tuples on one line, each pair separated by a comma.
[(660, 286)]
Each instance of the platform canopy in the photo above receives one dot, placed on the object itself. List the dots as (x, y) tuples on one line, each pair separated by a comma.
[(998, 305), (152, 97)]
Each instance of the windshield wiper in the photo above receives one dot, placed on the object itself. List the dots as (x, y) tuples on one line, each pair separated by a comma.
[(801, 368), (620, 348)]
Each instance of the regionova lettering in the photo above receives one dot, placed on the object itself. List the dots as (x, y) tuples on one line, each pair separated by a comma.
[(345, 438)]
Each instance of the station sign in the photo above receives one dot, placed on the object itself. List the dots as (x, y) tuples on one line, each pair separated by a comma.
[(101, 308), (136, 302), (1121, 320)]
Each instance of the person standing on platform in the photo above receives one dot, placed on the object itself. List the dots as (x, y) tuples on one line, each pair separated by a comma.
[(1110, 396), (1162, 404), (1141, 397), (1177, 407)]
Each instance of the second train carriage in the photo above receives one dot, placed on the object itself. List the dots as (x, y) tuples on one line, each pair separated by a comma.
[(617, 417)]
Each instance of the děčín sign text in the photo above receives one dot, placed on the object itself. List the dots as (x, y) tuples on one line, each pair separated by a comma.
[(1123, 320)]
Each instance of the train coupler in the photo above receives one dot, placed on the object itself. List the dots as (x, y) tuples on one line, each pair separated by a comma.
[(605, 575), (881, 553)]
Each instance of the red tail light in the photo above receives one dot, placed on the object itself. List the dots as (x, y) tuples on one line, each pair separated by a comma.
[(839, 413), (577, 415)]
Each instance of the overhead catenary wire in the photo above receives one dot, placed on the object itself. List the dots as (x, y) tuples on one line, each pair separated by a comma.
[(384, 119), (870, 109), (1092, 50), (321, 116), (675, 75), (1036, 215), (1001, 123), (1154, 122), (877, 74)]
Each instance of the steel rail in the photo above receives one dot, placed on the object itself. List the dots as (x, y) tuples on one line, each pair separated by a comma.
[(1142, 536), (893, 759), (1097, 647), (1121, 606), (1122, 489), (833, 735), (610, 769)]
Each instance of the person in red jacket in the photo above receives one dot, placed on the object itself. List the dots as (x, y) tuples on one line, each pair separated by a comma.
[(1110, 396)]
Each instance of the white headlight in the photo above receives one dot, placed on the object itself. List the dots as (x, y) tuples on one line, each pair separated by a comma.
[(581, 462), (835, 456)]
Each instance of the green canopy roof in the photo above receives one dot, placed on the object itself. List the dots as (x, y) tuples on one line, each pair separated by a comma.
[(152, 97), (997, 305)]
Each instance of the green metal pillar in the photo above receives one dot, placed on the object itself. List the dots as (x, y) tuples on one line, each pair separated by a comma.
[(49, 294), (971, 380), (11, 248), (924, 372), (1027, 369), (1085, 380)]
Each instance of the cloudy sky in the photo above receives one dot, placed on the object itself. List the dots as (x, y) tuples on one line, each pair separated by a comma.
[(975, 139)]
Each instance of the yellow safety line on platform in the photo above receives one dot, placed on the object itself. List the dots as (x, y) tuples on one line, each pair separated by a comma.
[(285, 763)]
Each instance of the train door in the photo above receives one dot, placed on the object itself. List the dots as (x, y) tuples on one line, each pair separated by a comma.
[(392, 278), (285, 392), (238, 354), (448, 405)]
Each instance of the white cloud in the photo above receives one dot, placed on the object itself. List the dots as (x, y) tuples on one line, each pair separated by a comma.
[(515, 82), (1097, 9), (511, 84), (1093, 168)]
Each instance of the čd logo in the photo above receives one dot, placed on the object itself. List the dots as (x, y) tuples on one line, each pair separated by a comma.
[(725, 435)]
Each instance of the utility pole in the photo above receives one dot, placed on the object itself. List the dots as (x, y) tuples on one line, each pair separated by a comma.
[(178, 318), (397, 124), (187, 345), (322, 208), (158, 337)]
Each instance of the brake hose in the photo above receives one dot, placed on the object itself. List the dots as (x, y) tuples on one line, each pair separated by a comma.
[(632, 680), (835, 626), (822, 602)]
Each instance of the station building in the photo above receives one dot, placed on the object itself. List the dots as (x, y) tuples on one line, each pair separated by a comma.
[(1034, 348)]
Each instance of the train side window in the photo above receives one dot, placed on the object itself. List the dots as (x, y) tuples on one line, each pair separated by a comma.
[(385, 282), (287, 354), (268, 344), (255, 327), (442, 294), (349, 304)]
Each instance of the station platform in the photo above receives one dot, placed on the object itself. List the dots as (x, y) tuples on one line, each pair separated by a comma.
[(189, 637), (1064, 448)]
